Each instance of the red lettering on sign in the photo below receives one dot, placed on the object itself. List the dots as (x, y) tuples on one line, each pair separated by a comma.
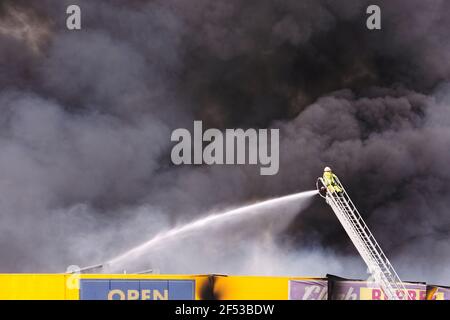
[(376, 294)]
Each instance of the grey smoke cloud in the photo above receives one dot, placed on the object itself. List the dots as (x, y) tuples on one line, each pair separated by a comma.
[(86, 119)]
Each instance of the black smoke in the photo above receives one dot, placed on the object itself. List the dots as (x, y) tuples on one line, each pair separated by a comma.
[(86, 118)]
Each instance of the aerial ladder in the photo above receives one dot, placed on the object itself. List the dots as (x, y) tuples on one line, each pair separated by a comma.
[(378, 264)]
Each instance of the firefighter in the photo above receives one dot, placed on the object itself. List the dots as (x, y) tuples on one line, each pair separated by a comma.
[(330, 180)]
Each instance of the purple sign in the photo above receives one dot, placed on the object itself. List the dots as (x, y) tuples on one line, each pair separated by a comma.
[(439, 293), (365, 290), (308, 289)]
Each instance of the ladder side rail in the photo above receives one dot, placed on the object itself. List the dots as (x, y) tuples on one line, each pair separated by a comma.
[(368, 245), (361, 231), (359, 218), (363, 223), (353, 233), (362, 226), (347, 220), (391, 274), (380, 279), (368, 258), (359, 239), (369, 236), (398, 283)]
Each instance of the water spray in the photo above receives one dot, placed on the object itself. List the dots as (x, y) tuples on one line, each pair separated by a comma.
[(253, 210)]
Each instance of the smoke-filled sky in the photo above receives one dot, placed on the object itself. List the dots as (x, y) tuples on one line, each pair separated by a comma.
[(86, 118)]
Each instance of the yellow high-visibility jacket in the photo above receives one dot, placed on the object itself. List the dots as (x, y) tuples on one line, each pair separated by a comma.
[(330, 182)]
